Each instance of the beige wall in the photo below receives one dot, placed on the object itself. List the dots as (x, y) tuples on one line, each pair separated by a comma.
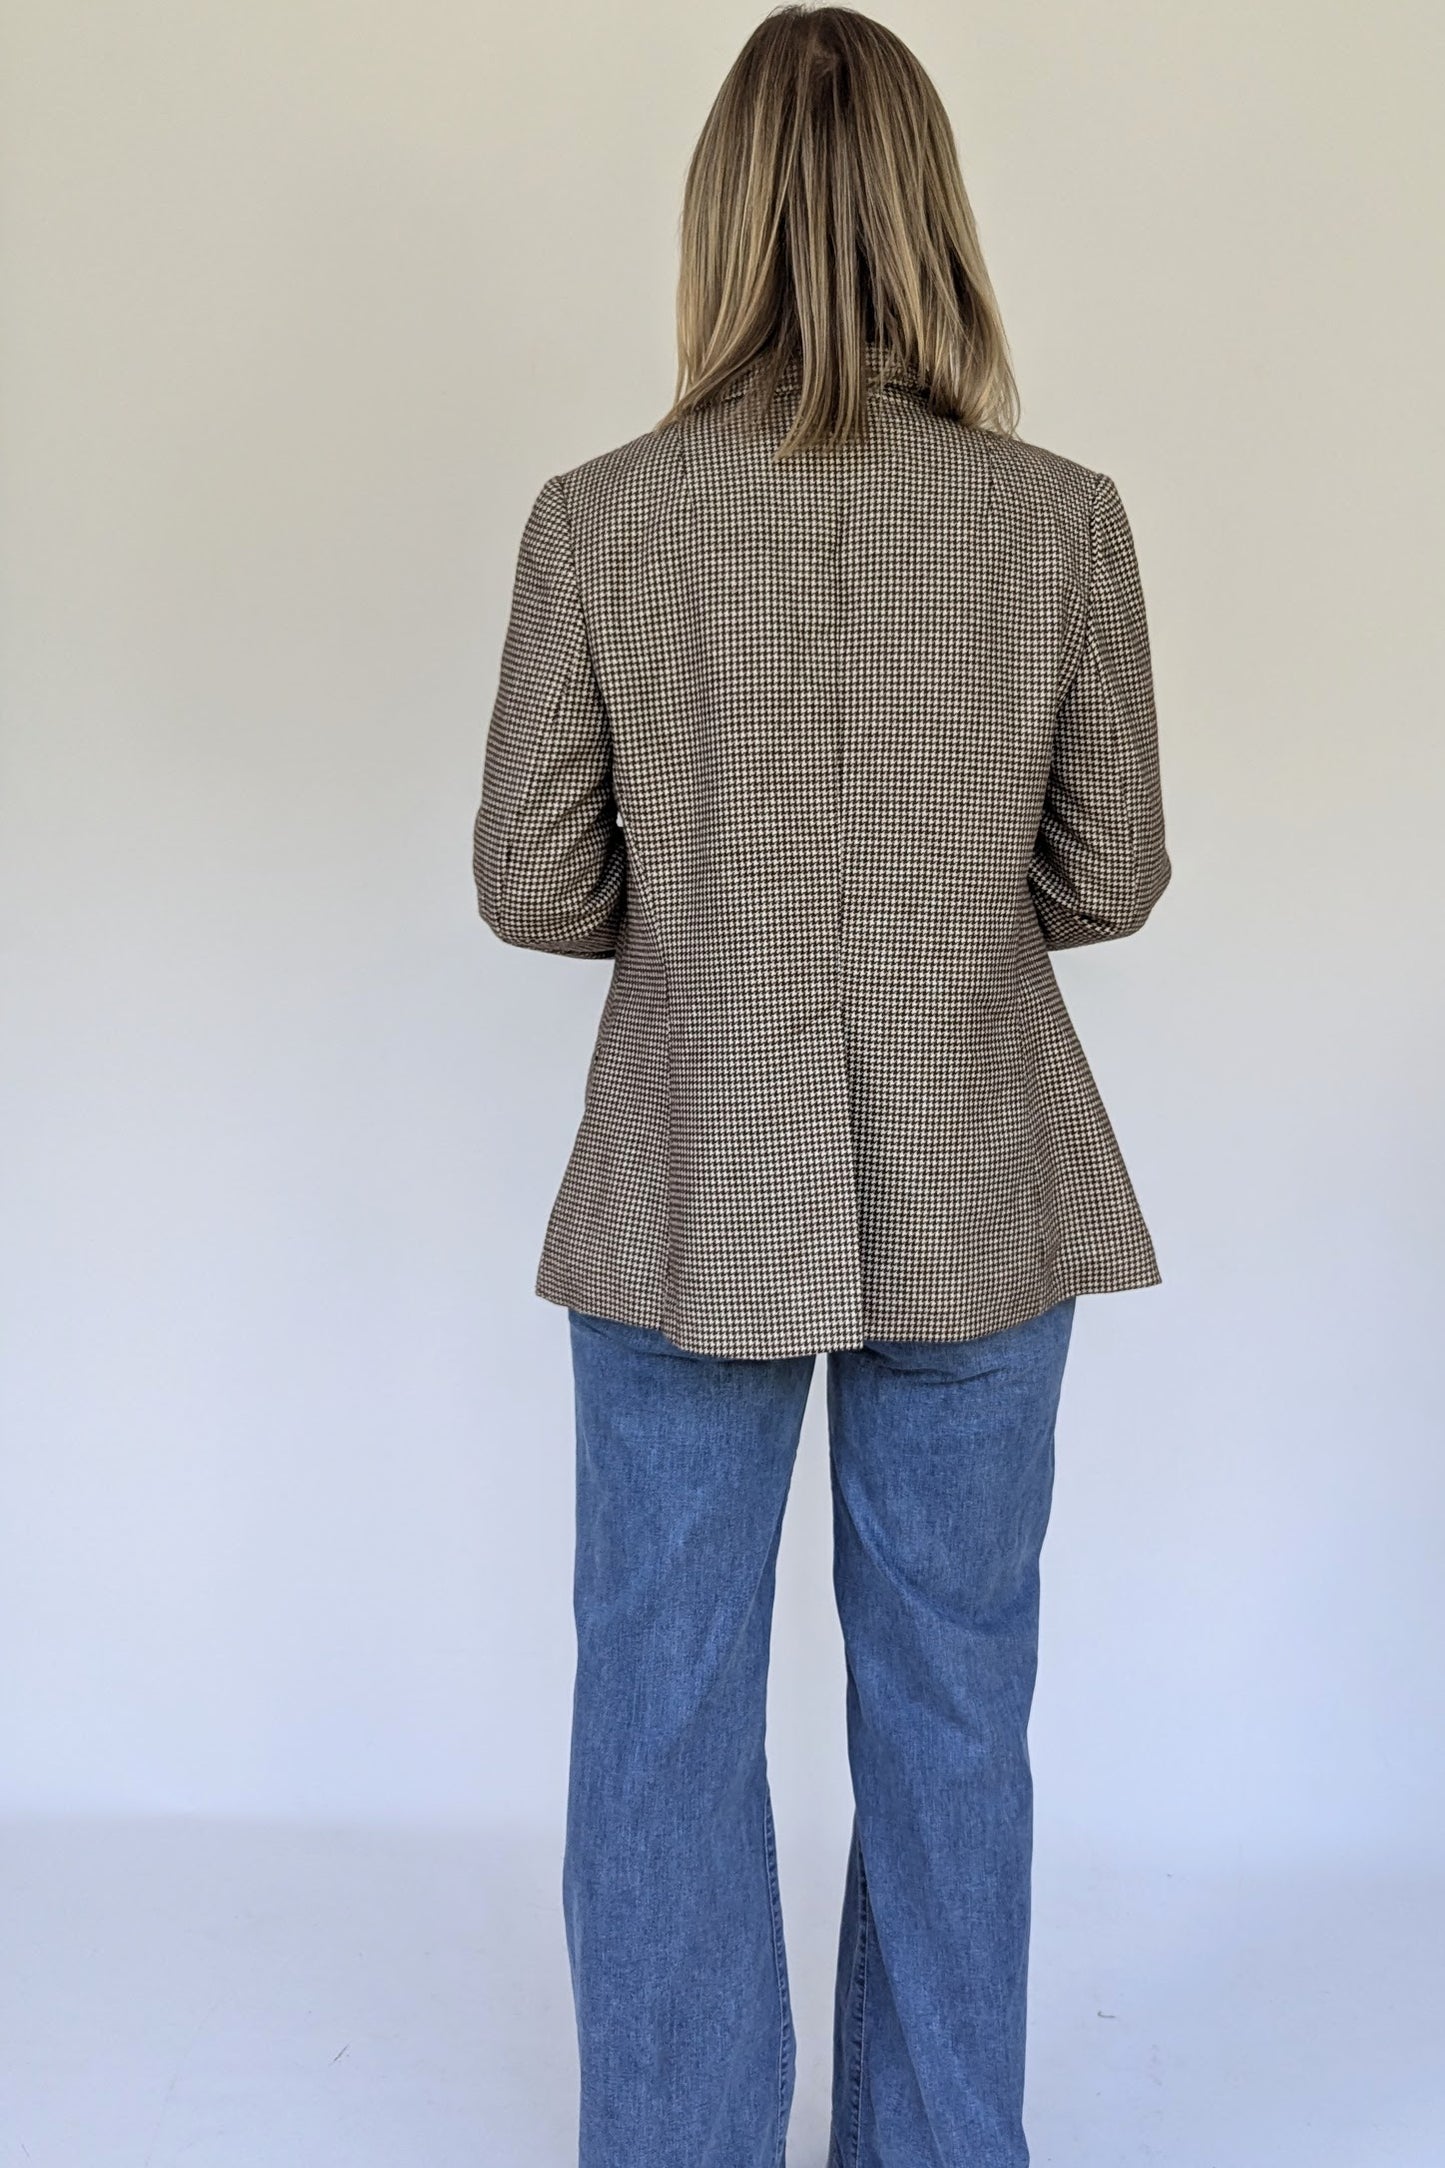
[(302, 302)]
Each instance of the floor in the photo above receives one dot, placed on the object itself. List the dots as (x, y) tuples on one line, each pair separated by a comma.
[(200, 1995)]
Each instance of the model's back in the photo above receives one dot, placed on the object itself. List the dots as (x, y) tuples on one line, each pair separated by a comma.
[(829, 750), (826, 713)]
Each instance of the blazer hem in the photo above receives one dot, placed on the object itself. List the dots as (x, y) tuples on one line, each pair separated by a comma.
[(976, 1321)]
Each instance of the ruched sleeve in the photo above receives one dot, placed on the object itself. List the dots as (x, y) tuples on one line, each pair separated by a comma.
[(548, 854), (1099, 864)]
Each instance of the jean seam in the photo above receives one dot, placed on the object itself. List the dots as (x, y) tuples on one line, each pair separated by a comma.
[(770, 1858), (860, 1978)]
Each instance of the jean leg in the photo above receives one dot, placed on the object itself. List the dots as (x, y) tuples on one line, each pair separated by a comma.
[(669, 1882), (942, 1467)]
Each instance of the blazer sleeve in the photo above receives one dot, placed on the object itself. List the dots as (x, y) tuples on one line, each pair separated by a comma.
[(1099, 862), (548, 855)]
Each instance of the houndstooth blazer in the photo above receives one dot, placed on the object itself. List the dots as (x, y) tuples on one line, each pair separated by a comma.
[(828, 754)]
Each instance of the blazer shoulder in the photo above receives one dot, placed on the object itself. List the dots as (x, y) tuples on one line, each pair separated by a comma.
[(1042, 479), (634, 473)]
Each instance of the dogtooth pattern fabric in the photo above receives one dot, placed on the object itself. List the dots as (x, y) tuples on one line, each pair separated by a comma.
[(827, 754)]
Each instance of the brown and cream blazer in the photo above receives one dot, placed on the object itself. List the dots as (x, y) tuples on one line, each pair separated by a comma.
[(828, 754)]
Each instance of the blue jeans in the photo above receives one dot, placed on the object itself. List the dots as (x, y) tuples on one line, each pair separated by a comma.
[(942, 1457)]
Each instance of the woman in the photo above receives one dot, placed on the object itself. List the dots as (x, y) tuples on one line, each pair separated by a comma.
[(826, 711)]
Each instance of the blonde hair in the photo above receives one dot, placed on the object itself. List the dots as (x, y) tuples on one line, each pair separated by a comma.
[(826, 230)]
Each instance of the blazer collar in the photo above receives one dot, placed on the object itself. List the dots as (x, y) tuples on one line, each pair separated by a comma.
[(884, 363)]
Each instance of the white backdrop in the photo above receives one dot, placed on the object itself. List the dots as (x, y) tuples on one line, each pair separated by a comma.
[(302, 303)]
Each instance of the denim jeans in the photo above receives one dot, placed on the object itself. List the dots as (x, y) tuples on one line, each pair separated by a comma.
[(942, 1461)]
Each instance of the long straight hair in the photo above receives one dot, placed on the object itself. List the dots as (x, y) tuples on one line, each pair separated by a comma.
[(826, 229)]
